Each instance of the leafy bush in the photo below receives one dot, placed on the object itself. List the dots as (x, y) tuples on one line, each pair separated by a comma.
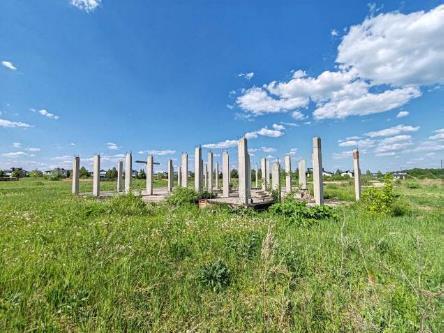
[(183, 196), (216, 276), (298, 211), (384, 201), (379, 200)]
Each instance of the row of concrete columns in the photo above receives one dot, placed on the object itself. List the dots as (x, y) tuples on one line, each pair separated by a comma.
[(204, 173)]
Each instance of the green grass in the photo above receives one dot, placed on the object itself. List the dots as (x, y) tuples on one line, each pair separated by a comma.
[(78, 264)]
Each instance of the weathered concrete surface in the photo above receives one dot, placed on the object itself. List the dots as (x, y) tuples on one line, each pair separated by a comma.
[(149, 174), (120, 183), (128, 172), (276, 178), (243, 171), (210, 172), (75, 175), (184, 169), (198, 172), (357, 174), (302, 175), (264, 174), (96, 176), (318, 186), (287, 173), (225, 174), (170, 176)]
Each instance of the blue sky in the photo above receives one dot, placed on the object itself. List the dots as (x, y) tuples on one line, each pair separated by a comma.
[(89, 76)]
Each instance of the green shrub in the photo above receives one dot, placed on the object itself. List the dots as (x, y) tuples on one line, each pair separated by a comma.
[(206, 195), (379, 200), (298, 212), (412, 185), (216, 276), (182, 196)]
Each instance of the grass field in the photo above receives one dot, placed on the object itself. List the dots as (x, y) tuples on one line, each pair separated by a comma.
[(78, 264)]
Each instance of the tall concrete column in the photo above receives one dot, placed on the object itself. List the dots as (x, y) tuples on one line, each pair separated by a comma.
[(170, 171), (128, 172), (276, 178), (216, 174), (205, 176), (184, 169), (288, 174), (357, 174), (119, 176), (264, 174), (179, 176), (198, 172), (225, 174), (210, 172), (267, 162), (96, 176), (75, 175), (302, 175), (318, 186), (149, 174), (244, 172), (256, 175), (248, 173)]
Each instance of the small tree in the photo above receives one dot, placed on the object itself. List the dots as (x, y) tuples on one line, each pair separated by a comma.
[(234, 173), (2, 173), (36, 173), (111, 173), (141, 174), (16, 173), (83, 173)]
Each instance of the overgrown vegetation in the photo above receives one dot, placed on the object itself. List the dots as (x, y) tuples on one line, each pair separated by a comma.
[(80, 264), (300, 213)]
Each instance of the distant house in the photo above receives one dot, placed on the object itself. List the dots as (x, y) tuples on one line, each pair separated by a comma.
[(324, 173), (57, 171), (347, 173), (399, 175)]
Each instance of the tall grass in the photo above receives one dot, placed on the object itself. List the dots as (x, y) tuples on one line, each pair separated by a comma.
[(78, 264)]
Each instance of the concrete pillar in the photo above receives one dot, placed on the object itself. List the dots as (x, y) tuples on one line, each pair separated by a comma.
[(210, 172), (256, 174), (149, 174), (302, 175), (179, 176), (248, 173), (276, 178), (75, 175), (120, 176), (244, 172), (205, 176), (225, 174), (96, 176), (357, 174), (128, 172), (287, 173), (318, 186), (198, 172), (216, 174), (267, 162), (264, 173), (170, 171), (184, 169)]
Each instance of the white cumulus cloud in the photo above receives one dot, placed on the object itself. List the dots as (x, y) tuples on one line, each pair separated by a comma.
[(391, 131), (13, 124), (86, 5), (402, 114)]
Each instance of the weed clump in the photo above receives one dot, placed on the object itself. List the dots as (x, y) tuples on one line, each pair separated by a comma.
[(215, 275), (298, 212), (183, 196), (128, 205)]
